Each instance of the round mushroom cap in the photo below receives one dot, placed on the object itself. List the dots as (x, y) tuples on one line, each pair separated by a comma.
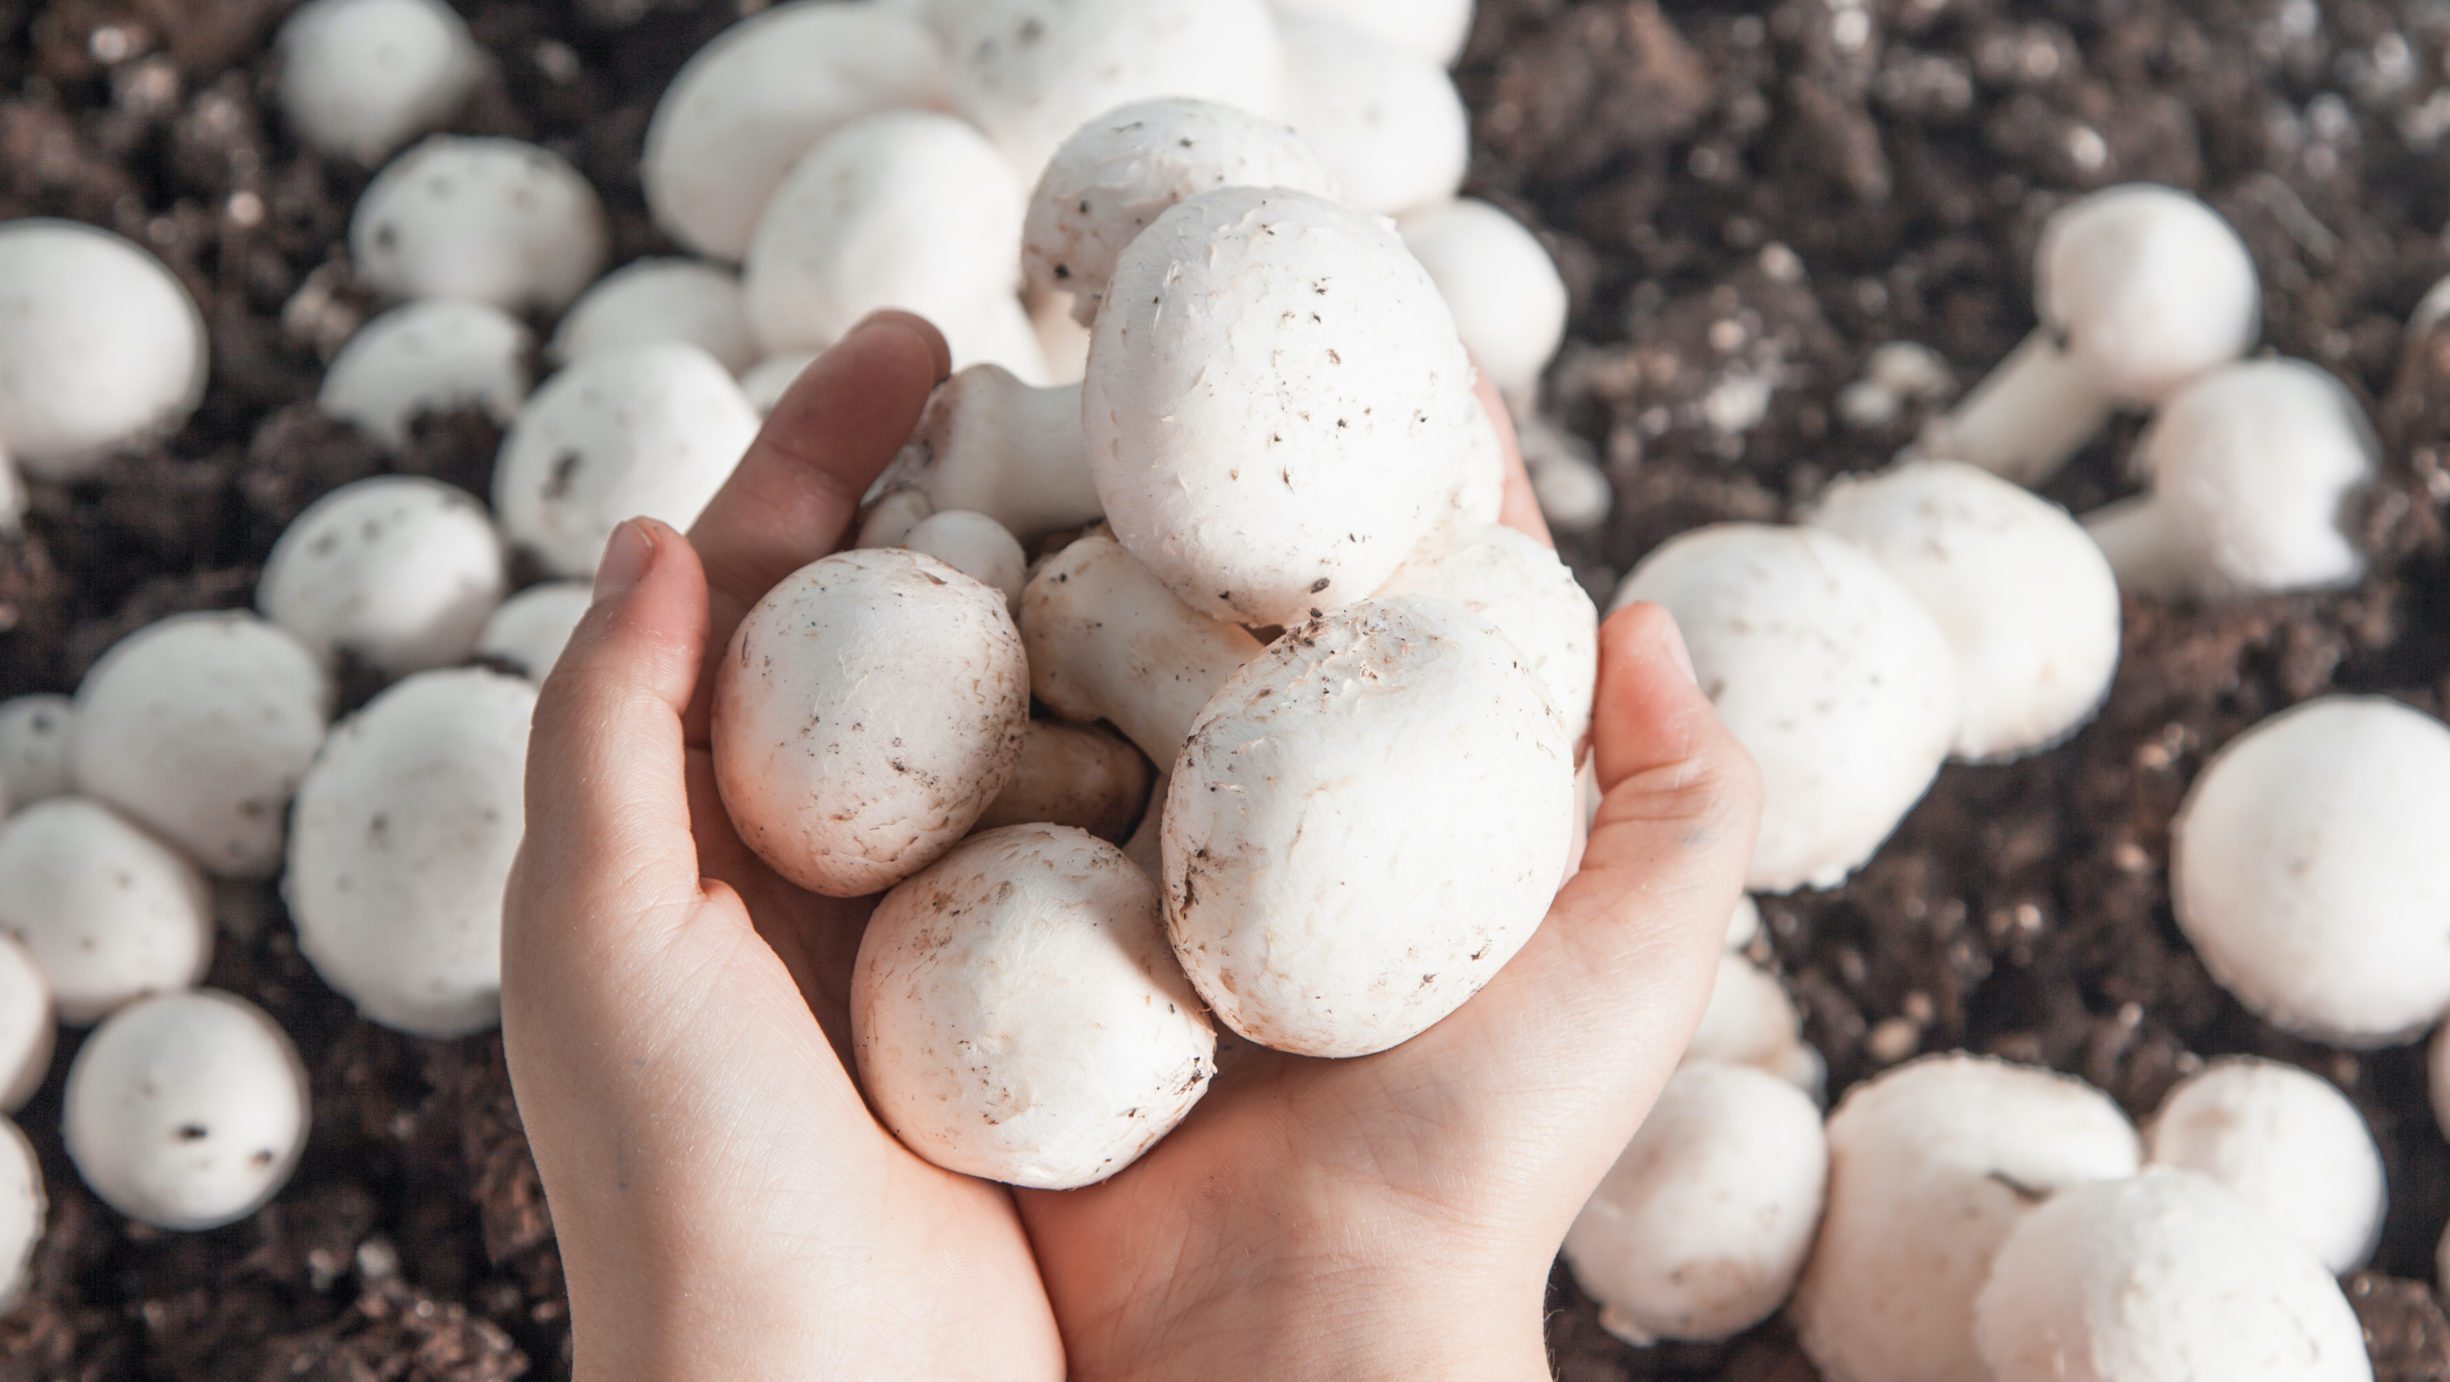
[(1123, 169), (1390, 127), (360, 78), (653, 300), (35, 735), (864, 715), (23, 1208), (976, 546), (769, 379), (1752, 1022), (905, 209), (486, 220), (532, 627), (1277, 407), (648, 430), (100, 346), (1045, 946), (2025, 599), (1701, 1227), (1827, 670), (27, 1032), (1509, 301), (2286, 1142), (1431, 30), (1368, 821), (2162, 1278), (2147, 288), (406, 828), (1516, 582), (199, 727), (428, 357), (187, 1110), (1931, 1166), (2307, 871), (399, 570), (108, 913)]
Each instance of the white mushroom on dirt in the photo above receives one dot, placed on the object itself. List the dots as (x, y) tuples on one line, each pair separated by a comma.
[(36, 733), (1575, 495), (187, 1111), (28, 1022), (23, 1209), (993, 444), (108, 912), (398, 571), (2286, 1142), (1083, 776), (1390, 126), (976, 546), (1431, 30), (1515, 581), (1509, 301), (100, 346), (486, 220), (428, 357), (654, 300), (531, 628), (360, 78)]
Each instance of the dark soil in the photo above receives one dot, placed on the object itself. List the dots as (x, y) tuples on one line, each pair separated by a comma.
[(1747, 199)]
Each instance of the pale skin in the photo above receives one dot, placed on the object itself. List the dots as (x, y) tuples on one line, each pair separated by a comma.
[(727, 1206)]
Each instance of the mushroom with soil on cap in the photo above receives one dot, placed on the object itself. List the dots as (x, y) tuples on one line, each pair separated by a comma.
[(990, 443), (23, 1208), (36, 732), (428, 357), (1083, 776), (1509, 301), (485, 220), (398, 571), (360, 78), (28, 1022), (531, 628), (100, 346), (1390, 126), (107, 912), (2286, 1142), (1515, 581), (652, 300)]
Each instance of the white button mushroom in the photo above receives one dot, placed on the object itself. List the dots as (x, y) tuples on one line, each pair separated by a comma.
[(991, 444), (2286, 1142), (108, 912), (1575, 495), (749, 104), (406, 826), (399, 571), (187, 1111), (1700, 1229), (1752, 1022), (1045, 947), (1390, 126), (1931, 1166), (976, 546), (769, 379), (889, 517), (1431, 30), (28, 1019), (2027, 602), (200, 726), (2163, 1278), (866, 712), (2306, 867), (22, 1210), (1829, 673), (428, 357), (1083, 776), (1367, 822), (2140, 289), (100, 346), (1515, 582), (488, 220), (1509, 301), (1123, 169), (36, 733), (648, 430), (2251, 472), (653, 300), (360, 78), (532, 627), (1278, 410), (1745, 924)]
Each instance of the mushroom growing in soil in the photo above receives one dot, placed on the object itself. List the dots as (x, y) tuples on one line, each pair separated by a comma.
[(108, 912), (1391, 127), (1017, 1016), (23, 1208), (428, 357), (2140, 290), (532, 627), (187, 1111), (2286, 1142), (1515, 581), (1083, 776), (1366, 823), (398, 571), (2306, 867), (360, 78), (100, 346), (35, 734), (28, 1020), (485, 220), (992, 444), (405, 831), (1509, 301), (1831, 674), (2252, 473), (652, 300), (867, 711)]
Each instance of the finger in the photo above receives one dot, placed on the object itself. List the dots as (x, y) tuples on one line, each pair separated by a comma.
[(1521, 510)]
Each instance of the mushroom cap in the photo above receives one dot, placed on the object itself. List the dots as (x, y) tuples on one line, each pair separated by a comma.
[(2285, 1141), (486, 220), (1277, 404), (1431, 30), (1084, 776), (866, 712), (28, 1022), (2147, 287), (199, 727), (976, 546), (1368, 821), (1390, 127), (1046, 947), (108, 912), (1509, 301), (2307, 870), (1516, 582), (651, 300), (405, 831), (1745, 924), (765, 92), (532, 627), (769, 379), (360, 78), (100, 345), (1931, 1166), (1827, 670), (907, 209), (1123, 169), (23, 1208), (651, 430), (1752, 1022), (428, 357), (187, 1110), (35, 734), (398, 570), (2162, 1278), (1700, 1228), (2025, 599)]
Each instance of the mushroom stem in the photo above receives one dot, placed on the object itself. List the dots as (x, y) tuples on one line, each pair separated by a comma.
[(2134, 535), (992, 444), (2038, 408)]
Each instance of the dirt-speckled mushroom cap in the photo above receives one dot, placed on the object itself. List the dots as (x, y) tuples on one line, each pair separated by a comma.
[(27, 1027), (199, 727), (109, 912), (2306, 866), (405, 830), (1368, 821), (1391, 128), (360, 78), (1277, 405), (865, 713), (1510, 303), (1835, 679), (2147, 287), (487, 220), (2163, 1278), (23, 1207), (1516, 582), (1931, 1166), (1431, 30), (399, 571), (36, 732), (647, 430), (651, 300), (532, 627), (1700, 1228), (100, 345), (1018, 1016), (187, 1110), (428, 357), (2285, 1141)]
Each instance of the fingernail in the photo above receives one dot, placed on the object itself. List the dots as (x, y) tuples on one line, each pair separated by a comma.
[(1679, 654), (626, 555)]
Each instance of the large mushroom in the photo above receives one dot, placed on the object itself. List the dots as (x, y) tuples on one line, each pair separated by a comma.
[(100, 345), (108, 912)]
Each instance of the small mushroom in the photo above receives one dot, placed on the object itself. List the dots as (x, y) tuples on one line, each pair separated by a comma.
[(1431, 30), (1082, 776), (109, 913), (399, 571), (652, 300), (1752, 1022), (486, 220), (1508, 299), (992, 444), (1575, 495), (36, 733), (360, 78), (976, 546), (23, 1208), (28, 1022), (532, 627), (2287, 1143), (1516, 582), (428, 357), (1391, 127), (100, 346)]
